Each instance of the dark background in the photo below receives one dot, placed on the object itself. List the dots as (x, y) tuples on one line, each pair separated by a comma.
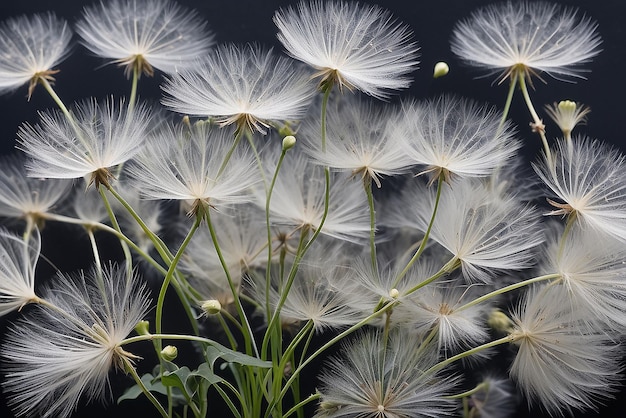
[(243, 21)]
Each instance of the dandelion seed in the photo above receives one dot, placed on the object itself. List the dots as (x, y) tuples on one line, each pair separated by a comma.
[(184, 163), (588, 180), (247, 86), (527, 38), (99, 136), (18, 260), (143, 35), (362, 139), (52, 357), (453, 136), (560, 363), (353, 45), (30, 46), (27, 198), (384, 379)]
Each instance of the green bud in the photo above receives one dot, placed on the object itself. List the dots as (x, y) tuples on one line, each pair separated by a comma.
[(143, 328), (288, 142), (169, 353), (441, 69), (499, 321), (211, 307)]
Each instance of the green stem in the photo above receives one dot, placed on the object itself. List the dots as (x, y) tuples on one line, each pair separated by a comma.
[(478, 388), (238, 136), (268, 311), (422, 246), (507, 103), (131, 369), (467, 353), (298, 407), (509, 288), (326, 346), (247, 331), (169, 275), (133, 88), (367, 184), (535, 116)]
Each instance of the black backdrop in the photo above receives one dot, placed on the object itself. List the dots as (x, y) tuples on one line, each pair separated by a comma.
[(243, 21)]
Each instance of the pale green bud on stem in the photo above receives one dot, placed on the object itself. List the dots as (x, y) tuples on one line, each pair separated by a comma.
[(288, 142), (499, 321), (169, 353), (441, 69), (143, 328), (211, 307)]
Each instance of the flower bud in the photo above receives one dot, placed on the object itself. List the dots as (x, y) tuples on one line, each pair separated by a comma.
[(394, 293), (288, 142), (441, 69), (143, 328), (169, 353), (211, 307), (499, 321)]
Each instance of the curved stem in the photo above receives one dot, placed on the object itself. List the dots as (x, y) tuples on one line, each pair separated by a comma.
[(467, 353), (505, 289), (131, 369), (507, 103), (323, 348), (247, 331), (170, 275)]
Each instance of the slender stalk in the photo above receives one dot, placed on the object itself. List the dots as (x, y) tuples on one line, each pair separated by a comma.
[(238, 136), (367, 185), (507, 103), (247, 331), (505, 289), (46, 84), (540, 128), (131, 369), (133, 87), (422, 246), (444, 363), (298, 407), (170, 275)]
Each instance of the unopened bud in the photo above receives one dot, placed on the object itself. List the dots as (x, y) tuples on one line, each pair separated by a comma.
[(211, 307), (169, 353), (394, 293), (499, 321), (288, 142), (441, 69), (143, 328)]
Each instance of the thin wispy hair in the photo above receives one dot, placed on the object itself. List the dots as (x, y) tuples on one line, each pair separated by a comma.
[(30, 46), (150, 34), (589, 177), (363, 138), (249, 86), (18, 260), (54, 356), (379, 378), (23, 197), (357, 45), (530, 36), (454, 136), (100, 135), (298, 199), (561, 364), (183, 163)]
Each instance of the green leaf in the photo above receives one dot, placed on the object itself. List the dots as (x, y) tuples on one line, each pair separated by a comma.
[(215, 351), (134, 391)]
